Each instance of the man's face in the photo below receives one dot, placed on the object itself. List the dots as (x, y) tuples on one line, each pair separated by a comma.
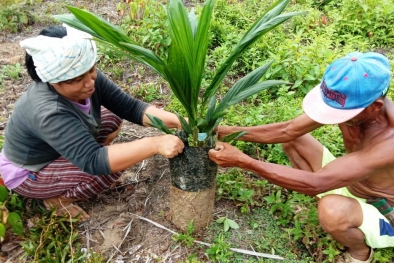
[(79, 88), (352, 122), (359, 119)]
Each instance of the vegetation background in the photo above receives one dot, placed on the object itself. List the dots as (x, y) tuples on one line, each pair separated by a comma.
[(270, 219)]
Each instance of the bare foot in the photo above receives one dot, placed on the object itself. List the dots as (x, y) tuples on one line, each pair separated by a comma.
[(65, 207)]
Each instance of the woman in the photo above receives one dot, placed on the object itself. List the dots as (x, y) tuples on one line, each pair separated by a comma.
[(57, 141)]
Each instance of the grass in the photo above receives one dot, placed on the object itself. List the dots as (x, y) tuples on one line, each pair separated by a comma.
[(259, 231)]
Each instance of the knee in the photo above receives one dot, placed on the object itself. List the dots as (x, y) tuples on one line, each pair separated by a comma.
[(288, 147), (112, 136), (335, 213), (294, 146)]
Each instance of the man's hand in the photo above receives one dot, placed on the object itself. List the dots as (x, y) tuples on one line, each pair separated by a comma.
[(219, 131), (226, 155), (169, 145)]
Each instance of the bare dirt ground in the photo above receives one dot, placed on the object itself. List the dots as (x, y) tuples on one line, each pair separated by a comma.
[(143, 190)]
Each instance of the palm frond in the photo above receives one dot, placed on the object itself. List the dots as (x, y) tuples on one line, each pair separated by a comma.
[(185, 64), (253, 90), (233, 136), (267, 22), (186, 59), (109, 33), (158, 123), (185, 125), (243, 84)]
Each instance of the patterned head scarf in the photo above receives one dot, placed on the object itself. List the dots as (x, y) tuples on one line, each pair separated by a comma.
[(60, 59)]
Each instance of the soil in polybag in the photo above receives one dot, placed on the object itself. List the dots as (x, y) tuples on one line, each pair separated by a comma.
[(192, 170)]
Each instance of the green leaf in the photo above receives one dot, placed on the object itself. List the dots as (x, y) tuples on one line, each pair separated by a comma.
[(246, 87), (212, 125), (211, 107), (226, 226), (185, 125), (309, 77), (218, 115), (3, 193), (220, 220), (179, 80), (188, 51), (185, 65), (2, 232), (1, 142), (157, 123), (13, 200), (109, 33), (232, 136), (297, 83), (253, 90), (267, 22), (14, 220), (233, 224)]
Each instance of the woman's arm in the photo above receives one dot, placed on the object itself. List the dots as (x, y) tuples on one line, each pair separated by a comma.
[(169, 119), (124, 155)]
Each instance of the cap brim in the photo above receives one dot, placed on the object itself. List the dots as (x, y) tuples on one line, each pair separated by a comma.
[(319, 111)]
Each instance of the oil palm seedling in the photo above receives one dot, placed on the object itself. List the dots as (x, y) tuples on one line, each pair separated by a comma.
[(184, 69)]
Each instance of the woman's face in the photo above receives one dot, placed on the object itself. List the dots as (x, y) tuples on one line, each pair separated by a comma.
[(79, 88)]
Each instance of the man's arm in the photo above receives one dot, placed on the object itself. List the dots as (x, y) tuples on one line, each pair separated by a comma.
[(275, 132), (338, 173)]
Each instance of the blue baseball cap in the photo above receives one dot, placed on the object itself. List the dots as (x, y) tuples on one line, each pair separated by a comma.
[(349, 85)]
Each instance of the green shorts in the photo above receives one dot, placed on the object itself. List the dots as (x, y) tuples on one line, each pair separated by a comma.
[(377, 229)]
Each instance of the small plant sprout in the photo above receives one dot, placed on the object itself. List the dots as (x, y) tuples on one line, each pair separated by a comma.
[(186, 238), (227, 223)]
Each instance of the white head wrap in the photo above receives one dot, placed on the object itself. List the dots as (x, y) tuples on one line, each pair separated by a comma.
[(60, 59)]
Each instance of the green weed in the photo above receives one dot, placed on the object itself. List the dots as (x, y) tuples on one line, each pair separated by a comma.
[(146, 91), (14, 18), (219, 251), (55, 239), (11, 71), (227, 223), (146, 23), (185, 238), (362, 20), (11, 211)]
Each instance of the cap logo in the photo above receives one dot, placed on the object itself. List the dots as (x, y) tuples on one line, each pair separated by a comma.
[(333, 95)]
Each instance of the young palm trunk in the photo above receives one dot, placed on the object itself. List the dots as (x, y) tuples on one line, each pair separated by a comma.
[(192, 192)]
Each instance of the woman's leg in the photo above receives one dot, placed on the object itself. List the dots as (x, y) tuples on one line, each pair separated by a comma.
[(110, 127)]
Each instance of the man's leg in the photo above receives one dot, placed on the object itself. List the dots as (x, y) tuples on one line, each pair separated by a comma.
[(304, 153), (341, 216)]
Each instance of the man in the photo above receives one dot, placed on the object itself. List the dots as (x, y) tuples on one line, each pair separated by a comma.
[(352, 94)]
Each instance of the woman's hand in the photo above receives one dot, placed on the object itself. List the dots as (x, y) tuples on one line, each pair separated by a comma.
[(169, 145)]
